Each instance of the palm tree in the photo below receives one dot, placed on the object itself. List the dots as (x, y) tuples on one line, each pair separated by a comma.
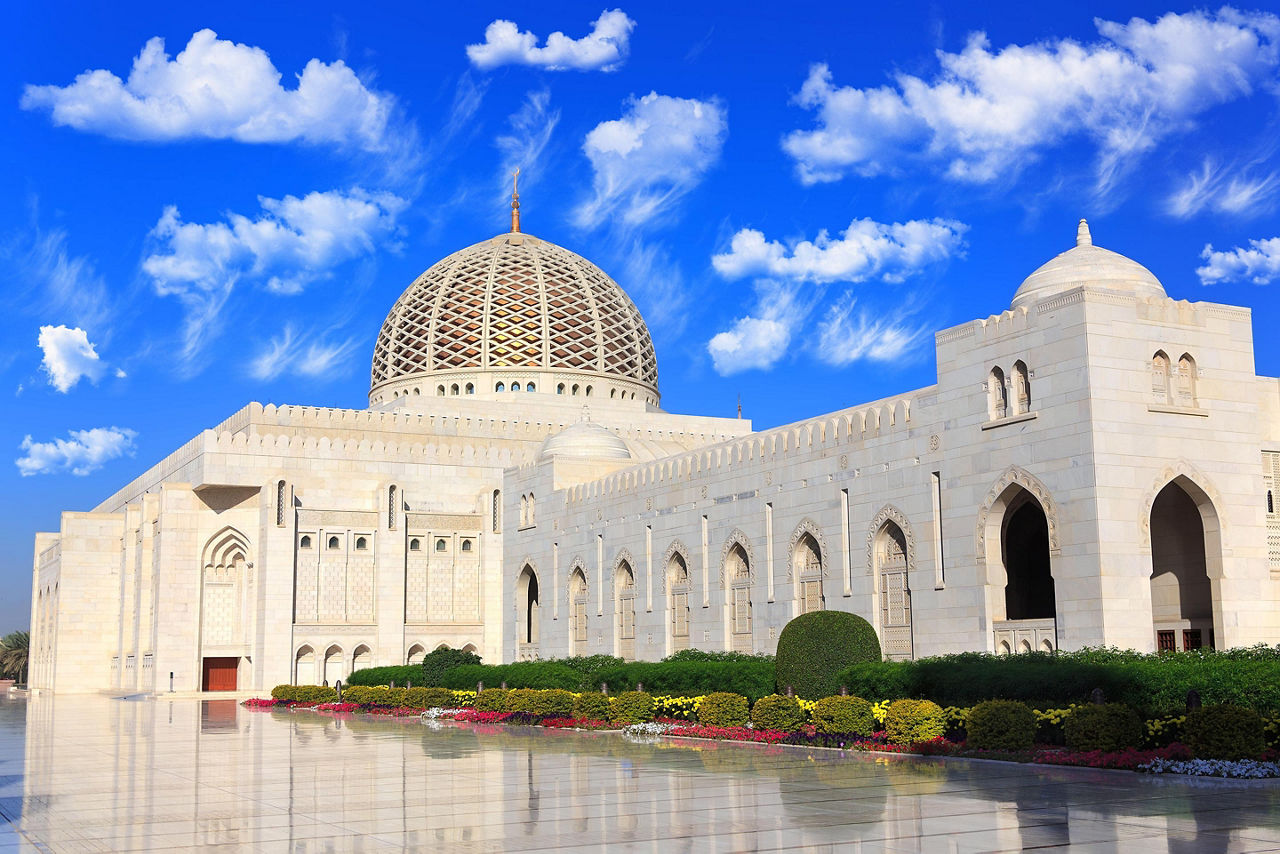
[(13, 654)]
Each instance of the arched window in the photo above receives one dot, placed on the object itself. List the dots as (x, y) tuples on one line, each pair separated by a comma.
[(333, 542), (440, 391), (471, 388), (515, 386), (678, 578), (415, 545), (305, 542), (532, 509), (1160, 370), (807, 567), (624, 586), (441, 545), (500, 387), (280, 503), (738, 571), (1186, 380), (573, 391), (529, 387), (633, 395), (524, 510), (578, 612), (997, 395), (466, 545), (560, 388), (361, 544), (497, 511), (1022, 385), (613, 393), (1271, 504), (453, 389), (417, 392), (391, 507), (588, 391)]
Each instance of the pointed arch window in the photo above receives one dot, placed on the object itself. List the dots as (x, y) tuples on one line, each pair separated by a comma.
[(997, 395), (1022, 386), (1186, 383), (1160, 370)]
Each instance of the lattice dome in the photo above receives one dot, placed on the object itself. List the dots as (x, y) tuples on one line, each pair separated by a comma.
[(514, 304)]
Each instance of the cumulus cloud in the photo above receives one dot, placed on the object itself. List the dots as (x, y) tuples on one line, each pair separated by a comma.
[(605, 48), (1258, 263), (292, 243), (301, 355), (69, 356), (217, 89), (793, 284), (866, 249), (1223, 190), (987, 112), (84, 451), (650, 158)]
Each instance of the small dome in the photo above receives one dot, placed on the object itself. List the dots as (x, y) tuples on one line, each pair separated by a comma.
[(585, 440), (1087, 264)]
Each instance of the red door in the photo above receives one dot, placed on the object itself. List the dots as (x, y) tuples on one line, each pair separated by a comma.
[(220, 674)]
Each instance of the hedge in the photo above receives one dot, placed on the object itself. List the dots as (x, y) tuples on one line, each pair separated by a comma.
[(519, 674), (1155, 684), (752, 678), (402, 675), (813, 649)]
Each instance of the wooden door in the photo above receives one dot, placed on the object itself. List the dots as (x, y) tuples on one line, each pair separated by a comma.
[(220, 674)]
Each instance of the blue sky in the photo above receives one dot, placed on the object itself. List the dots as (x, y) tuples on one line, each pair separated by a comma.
[(207, 207)]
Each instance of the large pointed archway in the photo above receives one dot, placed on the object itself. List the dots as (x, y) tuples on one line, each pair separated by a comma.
[(1186, 557), (527, 604), (1017, 539)]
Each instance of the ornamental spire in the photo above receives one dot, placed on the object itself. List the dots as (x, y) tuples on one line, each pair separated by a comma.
[(515, 201), (1083, 237)]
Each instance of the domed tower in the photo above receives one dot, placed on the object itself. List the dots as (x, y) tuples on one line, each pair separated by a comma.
[(515, 314), (1086, 264)]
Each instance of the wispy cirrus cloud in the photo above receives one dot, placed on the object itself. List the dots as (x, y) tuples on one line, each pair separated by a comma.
[(1259, 263), (605, 48), (302, 354), (530, 130), (81, 453), (987, 112), (1241, 191)]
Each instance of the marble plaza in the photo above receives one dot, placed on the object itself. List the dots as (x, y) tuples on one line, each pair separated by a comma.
[(85, 774)]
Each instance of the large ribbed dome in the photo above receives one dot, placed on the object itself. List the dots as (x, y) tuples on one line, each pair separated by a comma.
[(1086, 264), (514, 309)]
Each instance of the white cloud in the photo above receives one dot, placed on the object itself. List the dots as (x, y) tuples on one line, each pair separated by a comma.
[(291, 244), (301, 355), (1223, 190), (759, 340), (1260, 263), (846, 335), (62, 284), (69, 356), (82, 452), (866, 249), (605, 48), (988, 113), (217, 89), (531, 129), (649, 159)]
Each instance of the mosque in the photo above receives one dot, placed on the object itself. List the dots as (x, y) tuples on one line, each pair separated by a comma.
[(1095, 465)]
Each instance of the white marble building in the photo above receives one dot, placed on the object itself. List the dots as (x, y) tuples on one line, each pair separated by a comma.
[(1095, 465)]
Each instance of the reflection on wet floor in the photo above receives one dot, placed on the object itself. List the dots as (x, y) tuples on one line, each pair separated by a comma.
[(93, 774)]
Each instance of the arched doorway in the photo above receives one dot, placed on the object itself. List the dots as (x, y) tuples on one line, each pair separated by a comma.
[(334, 668), (624, 586), (806, 564), (1184, 540), (1017, 541), (361, 658), (415, 654), (527, 612), (895, 591), (304, 668), (1028, 592), (578, 613), (738, 571), (678, 578)]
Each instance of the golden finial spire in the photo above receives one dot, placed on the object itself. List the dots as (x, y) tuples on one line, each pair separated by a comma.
[(515, 201)]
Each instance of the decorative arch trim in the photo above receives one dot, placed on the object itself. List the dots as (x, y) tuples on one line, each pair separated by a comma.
[(1179, 469), (578, 565), (737, 538), (676, 548), (1017, 476), (810, 527), (890, 513), (223, 546), (623, 556)]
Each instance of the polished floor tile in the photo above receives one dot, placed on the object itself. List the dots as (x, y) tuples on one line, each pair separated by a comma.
[(90, 774)]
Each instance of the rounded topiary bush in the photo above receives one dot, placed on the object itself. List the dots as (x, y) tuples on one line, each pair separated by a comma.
[(777, 712), (592, 706), (912, 721), (491, 700), (1001, 725), (1224, 732), (284, 692), (633, 707), (1107, 727), (723, 709), (813, 649), (843, 715)]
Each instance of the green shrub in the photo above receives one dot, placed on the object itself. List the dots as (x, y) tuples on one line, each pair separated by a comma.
[(843, 715), (314, 695), (633, 707), (1001, 725), (912, 721), (284, 692), (437, 663), (520, 674), (813, 649), (526, 700), (752, 678), (715, 655), (777, 712), (1108, 727), (402, 675), (491, 700), (592, 706), (723, 708), (359, 694), (428, 698), (1224, 732)]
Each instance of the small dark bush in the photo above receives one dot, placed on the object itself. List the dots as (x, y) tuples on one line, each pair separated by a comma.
[(491, 700), (592, 706), (1108, 727), (402, 675), (633, 707), (1224, 732), (813, 649), (778, 712), (722, 708), (439, 662), (1001, 725), (843, 715), (910, 721)]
